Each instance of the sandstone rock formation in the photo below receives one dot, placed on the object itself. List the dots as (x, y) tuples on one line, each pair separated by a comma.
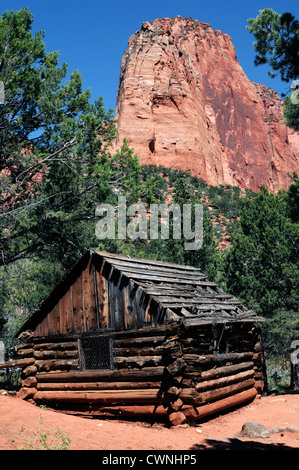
[(184, 101)]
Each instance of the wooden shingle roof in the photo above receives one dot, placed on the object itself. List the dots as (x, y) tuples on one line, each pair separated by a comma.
[(182, 292)]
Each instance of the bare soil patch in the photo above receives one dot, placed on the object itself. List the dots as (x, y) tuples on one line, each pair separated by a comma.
[(20, 420)]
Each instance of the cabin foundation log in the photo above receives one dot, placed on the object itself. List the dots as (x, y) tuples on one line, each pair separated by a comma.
[(121, 411), (104, 396), (29, 382), (225, 403), (26, 392)]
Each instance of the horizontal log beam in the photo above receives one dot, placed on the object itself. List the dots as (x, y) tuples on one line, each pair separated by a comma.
[(141, 342), (158, 411), (17, 347), (225, 370), (104, 396), (212, 395), (148, 331), (56, 364), (17, 363), (223, 404), (101, 375), (69, 338), (141, 351), (217, 358), (51, 354), (138, 361), (97, 386), (190, 395), (195, 366), (56, 346), (223, 381)]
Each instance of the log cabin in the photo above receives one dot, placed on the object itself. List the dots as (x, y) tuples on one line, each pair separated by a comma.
[(129, 337)]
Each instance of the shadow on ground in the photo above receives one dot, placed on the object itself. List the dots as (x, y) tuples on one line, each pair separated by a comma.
[(237, 444)]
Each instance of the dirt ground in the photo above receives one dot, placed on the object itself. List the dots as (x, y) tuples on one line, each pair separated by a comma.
[(20, 420)]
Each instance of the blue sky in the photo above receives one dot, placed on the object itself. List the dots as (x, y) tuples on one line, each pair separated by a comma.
[(92, 35)]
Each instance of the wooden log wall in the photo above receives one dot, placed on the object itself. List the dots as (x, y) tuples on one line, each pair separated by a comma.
[(45, 355), (168, 371), (135, 386), (205, 380)]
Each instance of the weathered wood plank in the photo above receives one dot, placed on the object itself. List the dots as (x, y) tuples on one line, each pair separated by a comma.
[(185, 292), (137, 309), (118, 305), (102, 289), (66, 319), (43, 327), (131, 308), (111, 295), (89, 303), (143, 261), (132, 271), (155, 278), (53, 320), (78, 305), (154, 267), (216, 318)]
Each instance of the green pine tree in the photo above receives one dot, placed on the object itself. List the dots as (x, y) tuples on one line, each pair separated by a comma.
[(277, 44)]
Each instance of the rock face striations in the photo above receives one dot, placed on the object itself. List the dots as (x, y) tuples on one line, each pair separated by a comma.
[(184, 101)]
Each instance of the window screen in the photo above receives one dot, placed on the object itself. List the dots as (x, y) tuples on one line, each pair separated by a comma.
[(96, 352)]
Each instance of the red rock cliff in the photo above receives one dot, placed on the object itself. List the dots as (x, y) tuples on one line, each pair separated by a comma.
[(184, 101)]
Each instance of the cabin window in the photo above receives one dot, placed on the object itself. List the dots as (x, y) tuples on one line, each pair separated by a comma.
[(96, 353)]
